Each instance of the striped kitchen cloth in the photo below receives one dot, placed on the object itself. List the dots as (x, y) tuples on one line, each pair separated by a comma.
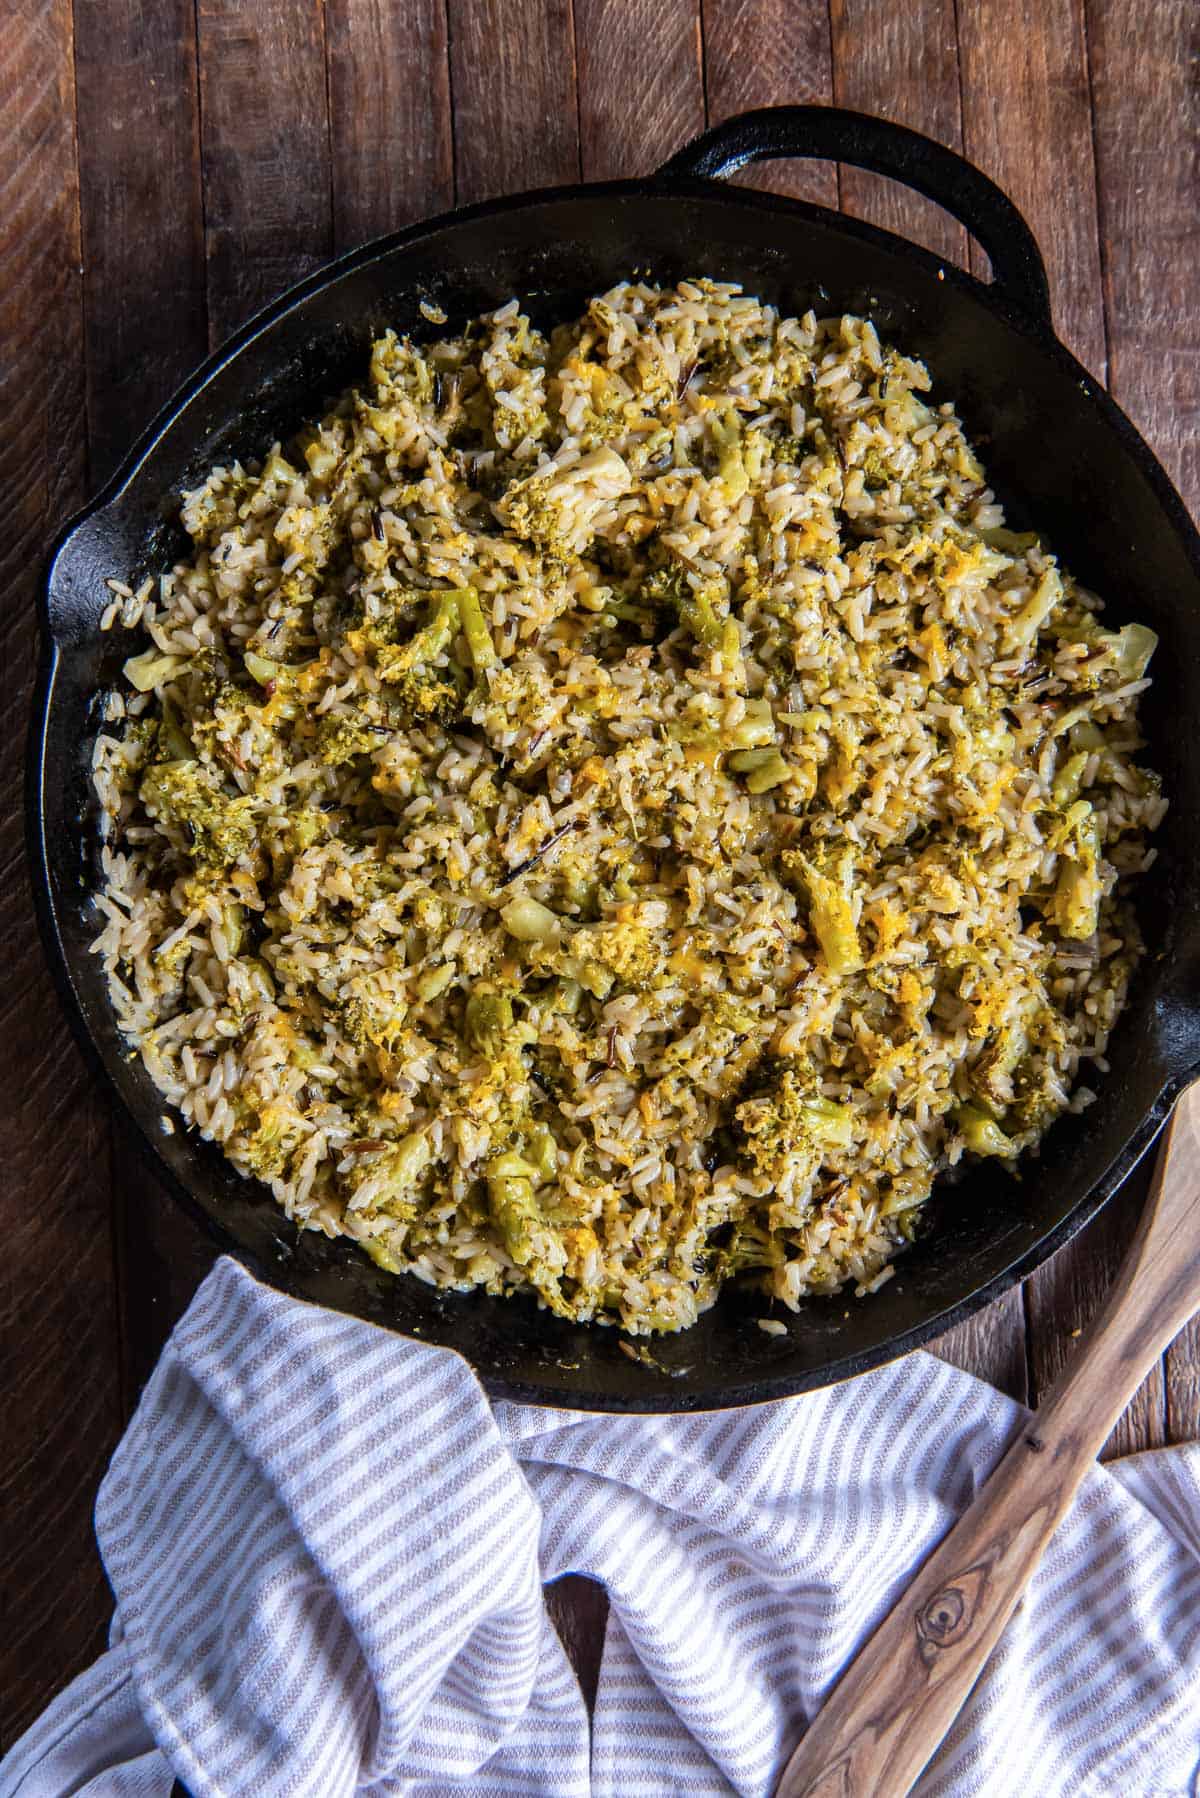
[(328, 1552)]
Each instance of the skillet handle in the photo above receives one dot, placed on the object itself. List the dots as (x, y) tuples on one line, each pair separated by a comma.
[(833, 134)]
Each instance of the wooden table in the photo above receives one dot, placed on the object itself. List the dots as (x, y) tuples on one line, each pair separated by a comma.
[(169, 166)]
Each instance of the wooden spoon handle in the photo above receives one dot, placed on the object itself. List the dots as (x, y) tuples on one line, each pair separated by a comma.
[(891, 1709)]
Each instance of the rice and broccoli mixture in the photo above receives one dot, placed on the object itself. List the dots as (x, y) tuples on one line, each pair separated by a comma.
[(600, 813)]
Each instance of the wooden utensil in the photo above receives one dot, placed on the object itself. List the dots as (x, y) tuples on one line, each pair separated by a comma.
[(891, 1709)]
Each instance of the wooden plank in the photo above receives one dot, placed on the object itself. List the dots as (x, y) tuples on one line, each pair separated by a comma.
[(1026, 109), (265, 145), (578, 1608), (162, 1256), (244, 98), (143, 228), (771, 53), (58, 1325), (903, 65), (146, 328), (900, 63), (992, 1346), (1147, 130), (1024, 79), (392, 160), (516, 113), (1147, 127), (641, 83)]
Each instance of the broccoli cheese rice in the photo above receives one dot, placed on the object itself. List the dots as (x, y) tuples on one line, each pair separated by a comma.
[(605, 811)]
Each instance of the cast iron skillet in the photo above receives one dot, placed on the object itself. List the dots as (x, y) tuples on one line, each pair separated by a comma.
[(1064, 458)]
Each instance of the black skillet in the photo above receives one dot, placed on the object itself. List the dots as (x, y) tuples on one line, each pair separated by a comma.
[(1063, 458)]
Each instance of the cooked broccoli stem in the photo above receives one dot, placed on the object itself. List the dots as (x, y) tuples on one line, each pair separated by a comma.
[(1069, 779), (435, 635), (398, 1171), (530, 922), (831, 907), (981, 1133), (1075, 907), (488, 1021), (1132, 648), (543, 1152), (152, 669), (1025, 625), (695, 608), (731, 467), (475, 629), (528, 1238), (1009, 543), (764, 768)]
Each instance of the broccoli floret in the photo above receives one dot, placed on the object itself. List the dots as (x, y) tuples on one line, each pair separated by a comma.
[(488, 1021), (1075, 906), (415, 687), (981, 1133), (628, 949), (702, 611), (556, 508), (341, 736), (398, 367), (788, 1128), (218, 830)]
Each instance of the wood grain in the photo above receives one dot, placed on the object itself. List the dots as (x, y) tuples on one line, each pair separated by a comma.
[(992, 1345), (265, 145), (58, 1324), (146, 326), (516, 111), (326, 121), (1026, 110), (235, 107), (1024, 80), (771, 53), (890, 1710), (641, 83), (1149, 185), (578, 1609), (902, 63), (391, 151), (143, 227)]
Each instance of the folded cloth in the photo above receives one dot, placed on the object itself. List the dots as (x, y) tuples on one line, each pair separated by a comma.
[(328, 1551)]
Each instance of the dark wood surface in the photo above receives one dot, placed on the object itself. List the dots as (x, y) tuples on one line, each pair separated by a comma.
[(165, 166)]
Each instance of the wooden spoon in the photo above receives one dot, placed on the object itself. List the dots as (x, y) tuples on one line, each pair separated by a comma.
[(889, 1712)]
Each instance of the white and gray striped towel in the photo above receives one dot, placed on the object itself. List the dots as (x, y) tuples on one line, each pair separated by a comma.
[(328, 1553)]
